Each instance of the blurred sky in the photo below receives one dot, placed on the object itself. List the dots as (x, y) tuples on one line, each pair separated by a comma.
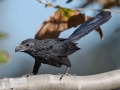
[(20, 19)]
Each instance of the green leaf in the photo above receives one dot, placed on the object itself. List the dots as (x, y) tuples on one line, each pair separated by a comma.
[(66, 13), (2, 35), (4, 57)]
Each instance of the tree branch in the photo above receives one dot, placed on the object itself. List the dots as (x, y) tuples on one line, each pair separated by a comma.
[(57, 6), (105, 81)]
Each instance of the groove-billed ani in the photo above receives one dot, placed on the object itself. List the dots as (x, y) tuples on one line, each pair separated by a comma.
[(55, 51)]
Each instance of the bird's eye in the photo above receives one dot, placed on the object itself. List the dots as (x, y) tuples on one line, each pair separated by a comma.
[(26, 44)]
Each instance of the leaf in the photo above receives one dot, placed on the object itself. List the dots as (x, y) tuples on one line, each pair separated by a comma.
[(59, 21), (99, 30), (108, 3), (68, 1), (4, 57), (2, 35), (105, 3)]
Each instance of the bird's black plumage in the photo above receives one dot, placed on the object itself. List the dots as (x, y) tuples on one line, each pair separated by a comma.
[(55, 51)]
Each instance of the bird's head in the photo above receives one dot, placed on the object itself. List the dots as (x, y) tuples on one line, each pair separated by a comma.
[(26, 46)]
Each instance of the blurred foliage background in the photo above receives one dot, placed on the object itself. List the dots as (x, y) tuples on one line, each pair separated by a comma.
[(20, 19)]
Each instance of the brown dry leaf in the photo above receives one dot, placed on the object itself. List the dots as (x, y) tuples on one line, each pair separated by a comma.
[(105, 3), (99, 30), (59, 21), (108, 3)]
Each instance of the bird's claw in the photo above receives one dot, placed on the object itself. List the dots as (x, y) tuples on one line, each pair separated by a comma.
[(67, 74), (27, 75)]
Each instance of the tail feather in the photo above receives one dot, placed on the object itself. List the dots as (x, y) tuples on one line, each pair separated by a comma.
[(90, 25)]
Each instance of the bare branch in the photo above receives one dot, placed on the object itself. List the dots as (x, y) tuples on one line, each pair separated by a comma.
[(105, 81), (48, 4), (57, 6)]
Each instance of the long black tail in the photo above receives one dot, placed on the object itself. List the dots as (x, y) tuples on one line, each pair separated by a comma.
[(90, 25)]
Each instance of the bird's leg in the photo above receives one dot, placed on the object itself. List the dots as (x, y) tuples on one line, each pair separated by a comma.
[(64, 73), (36, 67)]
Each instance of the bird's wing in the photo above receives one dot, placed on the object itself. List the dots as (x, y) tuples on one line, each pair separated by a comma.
[(64, 48)]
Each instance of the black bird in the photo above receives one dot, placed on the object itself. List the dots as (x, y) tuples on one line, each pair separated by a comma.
[(55, 51)]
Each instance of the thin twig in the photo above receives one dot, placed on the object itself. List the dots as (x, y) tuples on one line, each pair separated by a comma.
[(57, 6)]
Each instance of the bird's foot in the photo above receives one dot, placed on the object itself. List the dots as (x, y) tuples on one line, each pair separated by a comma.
[(67, 74), (27, 75)]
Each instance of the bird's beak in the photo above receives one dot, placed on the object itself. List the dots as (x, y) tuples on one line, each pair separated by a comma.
[(18, 48)]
